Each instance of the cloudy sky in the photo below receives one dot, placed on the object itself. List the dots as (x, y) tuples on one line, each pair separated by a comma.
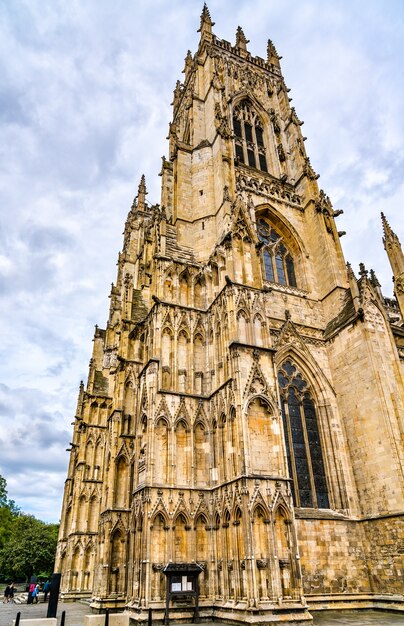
[(85, 96)]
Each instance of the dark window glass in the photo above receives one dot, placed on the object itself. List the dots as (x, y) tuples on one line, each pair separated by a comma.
[(259, 136), (299, 450), (290, 269), (251, 158), (279, 270), (237, 127), (289, 368), (299, 382), (313, 436), (282, 380), (239, 153), (263, 162), (250, 136), (274, 235), (269, 270), (248, 132), (304, 455), (263, 231)]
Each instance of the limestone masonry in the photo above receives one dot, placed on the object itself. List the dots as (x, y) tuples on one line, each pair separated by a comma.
[(244, 408)]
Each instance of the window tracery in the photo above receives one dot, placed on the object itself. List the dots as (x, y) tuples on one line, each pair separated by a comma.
[(278, 262), (249, 137), (302, 438)]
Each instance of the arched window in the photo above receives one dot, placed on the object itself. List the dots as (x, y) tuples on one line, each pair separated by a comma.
[(249, 137), (278, 262), (303, 446)]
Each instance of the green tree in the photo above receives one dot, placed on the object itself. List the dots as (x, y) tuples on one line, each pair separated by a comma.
[(8, 513), (27, 545), (30, 549)]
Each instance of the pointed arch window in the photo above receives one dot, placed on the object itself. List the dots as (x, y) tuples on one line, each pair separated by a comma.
[(302, 438), (278, 261), (249, 137)]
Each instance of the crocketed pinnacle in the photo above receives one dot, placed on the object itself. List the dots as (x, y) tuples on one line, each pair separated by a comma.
[(272, 55), (241, 40), (389, 234), (141, 194), (206, 22), (350, 271)]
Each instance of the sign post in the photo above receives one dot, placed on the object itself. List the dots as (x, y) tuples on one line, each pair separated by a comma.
[(182, 582)]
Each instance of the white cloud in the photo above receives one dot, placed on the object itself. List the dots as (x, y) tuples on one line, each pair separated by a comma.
[(84, 111)]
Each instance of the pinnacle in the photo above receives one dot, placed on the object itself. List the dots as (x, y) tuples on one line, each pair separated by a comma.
[(388, 233), (272, 55), (349, 270), (142, 184), (241, 40), (362, 270), (386, 226), (206, 21), (139, 200), (373, 279)]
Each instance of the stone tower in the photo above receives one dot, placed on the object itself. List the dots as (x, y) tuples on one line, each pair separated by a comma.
[(244, 408)]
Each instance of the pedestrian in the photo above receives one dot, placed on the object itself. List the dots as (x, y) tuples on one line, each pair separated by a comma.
[(35, 594), (31, 590), (46, 589), (6, 594), (12, 590)]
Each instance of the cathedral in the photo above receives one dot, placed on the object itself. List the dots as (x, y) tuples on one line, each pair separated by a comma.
[(244, 410)]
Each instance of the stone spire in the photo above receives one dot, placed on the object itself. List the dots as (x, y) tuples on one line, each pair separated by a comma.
[(188, 64), (141, 194), (393, 248), (394, 251), (206, 24), (241, 40)]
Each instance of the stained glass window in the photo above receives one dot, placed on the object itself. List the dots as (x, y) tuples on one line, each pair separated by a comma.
[(302, 440)]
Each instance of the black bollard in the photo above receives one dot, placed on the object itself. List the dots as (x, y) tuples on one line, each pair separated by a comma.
[(54, 595), (150, 621), (17, 618), (106, 617), (62, 621)]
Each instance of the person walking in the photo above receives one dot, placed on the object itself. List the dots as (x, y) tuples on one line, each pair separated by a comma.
[(46, 590), (11, 593), (6, 594), (35, 594), (31, 590)]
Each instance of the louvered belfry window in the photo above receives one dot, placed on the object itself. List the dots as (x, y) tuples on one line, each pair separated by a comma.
[(249, 137), (302, 438)]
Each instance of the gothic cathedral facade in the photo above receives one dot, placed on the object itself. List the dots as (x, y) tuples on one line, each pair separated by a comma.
[(244, 408)]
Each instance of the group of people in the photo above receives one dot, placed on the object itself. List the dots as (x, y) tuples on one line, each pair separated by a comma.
[(9, 593), (33, 592)]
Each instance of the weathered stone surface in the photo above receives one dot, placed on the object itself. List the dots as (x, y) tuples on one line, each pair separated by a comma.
[(244, 405)]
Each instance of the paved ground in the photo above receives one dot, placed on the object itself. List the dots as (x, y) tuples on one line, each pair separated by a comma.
[(75, 612), (359, 618)]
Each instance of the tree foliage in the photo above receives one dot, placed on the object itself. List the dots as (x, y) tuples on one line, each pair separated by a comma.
[(8, 513), (27, 545)]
